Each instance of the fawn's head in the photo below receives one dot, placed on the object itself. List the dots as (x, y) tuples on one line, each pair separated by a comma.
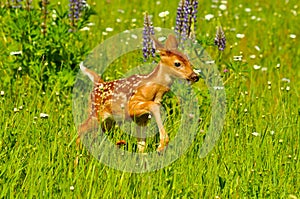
[(176, 62)]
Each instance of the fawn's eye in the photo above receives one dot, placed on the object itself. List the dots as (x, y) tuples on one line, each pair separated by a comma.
[(177, 64)]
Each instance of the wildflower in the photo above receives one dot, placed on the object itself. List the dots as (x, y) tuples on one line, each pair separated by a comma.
[(220, 39), (15, 4), (163, 14), (218, 87), (16, 53), (285, 80), (247, 9), (240, 36), (255, 134), (293, 36), (257, 48), (75, 9), (252, 56), (85, 28), (2, 93), (208, 17), (222, 7), (44, 115), (44, 17), (186, 19), (108, 29), (256, 67), (72, 188), (237, 58), (148, 45), (264, 69)]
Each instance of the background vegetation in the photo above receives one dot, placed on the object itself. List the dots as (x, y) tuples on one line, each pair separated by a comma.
[(257, 155)]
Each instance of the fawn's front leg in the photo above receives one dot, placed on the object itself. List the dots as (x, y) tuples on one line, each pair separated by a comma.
[(141, 138), (164, 138), (140, 108)]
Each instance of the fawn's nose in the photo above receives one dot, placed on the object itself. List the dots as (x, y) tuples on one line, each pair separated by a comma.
[(194, 77)]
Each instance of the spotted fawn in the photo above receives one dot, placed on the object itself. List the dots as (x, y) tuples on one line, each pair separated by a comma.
[(137, 98)]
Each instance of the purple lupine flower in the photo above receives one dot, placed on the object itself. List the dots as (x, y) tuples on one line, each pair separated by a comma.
[(220, 39), (179, 18), (148, 31), (75, 8), (194, 13), (186, 17), (44, 16), (16, 3)]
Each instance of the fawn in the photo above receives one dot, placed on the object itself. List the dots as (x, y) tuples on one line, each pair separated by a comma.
[(138, 97)]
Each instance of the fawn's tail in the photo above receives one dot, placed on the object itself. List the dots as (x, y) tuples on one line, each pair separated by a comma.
[(91, 74)]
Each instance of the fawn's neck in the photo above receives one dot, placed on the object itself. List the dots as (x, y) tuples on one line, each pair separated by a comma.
[(160, 75)]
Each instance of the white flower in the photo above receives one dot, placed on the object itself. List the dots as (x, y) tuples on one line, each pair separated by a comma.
[(272, 132), (44, 115), (108, 29), (255, 134), (118, 20), (163, 14), (104, 33), (286, 80), (209, 17), (16, 53), (133, 20), (264, 69), (247, 9), (257, 48), (210, 62), (237, 58), (16, 110), (85, 28), (2, 93), (134, 36), (218, 87), (293, 36), (161, 38), (72, 188), (240, 36), (252, 56), (121, 11), (288, 88), (222, 7), (256, 67), (91, 24)]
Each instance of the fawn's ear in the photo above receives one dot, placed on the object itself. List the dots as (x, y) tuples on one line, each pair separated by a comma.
[(159, 46), (171, 43)]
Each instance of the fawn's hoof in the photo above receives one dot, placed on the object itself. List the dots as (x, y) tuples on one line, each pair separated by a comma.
[(161, 149)]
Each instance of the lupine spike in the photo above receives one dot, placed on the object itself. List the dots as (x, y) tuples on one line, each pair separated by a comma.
[(186, 19), (148, 31), (220, 39), (75, 8)]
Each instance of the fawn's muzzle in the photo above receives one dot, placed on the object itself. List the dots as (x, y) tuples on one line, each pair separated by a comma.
[(193, 77)]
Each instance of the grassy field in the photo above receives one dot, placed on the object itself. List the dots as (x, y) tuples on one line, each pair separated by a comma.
[(257, 155)]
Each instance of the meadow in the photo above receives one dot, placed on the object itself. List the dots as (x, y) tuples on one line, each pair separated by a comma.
[(257, 154)]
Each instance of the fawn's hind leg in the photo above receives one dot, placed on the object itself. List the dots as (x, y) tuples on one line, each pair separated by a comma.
[(90, 125)]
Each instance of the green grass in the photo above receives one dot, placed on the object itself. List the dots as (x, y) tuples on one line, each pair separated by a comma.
[(37, 155)]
